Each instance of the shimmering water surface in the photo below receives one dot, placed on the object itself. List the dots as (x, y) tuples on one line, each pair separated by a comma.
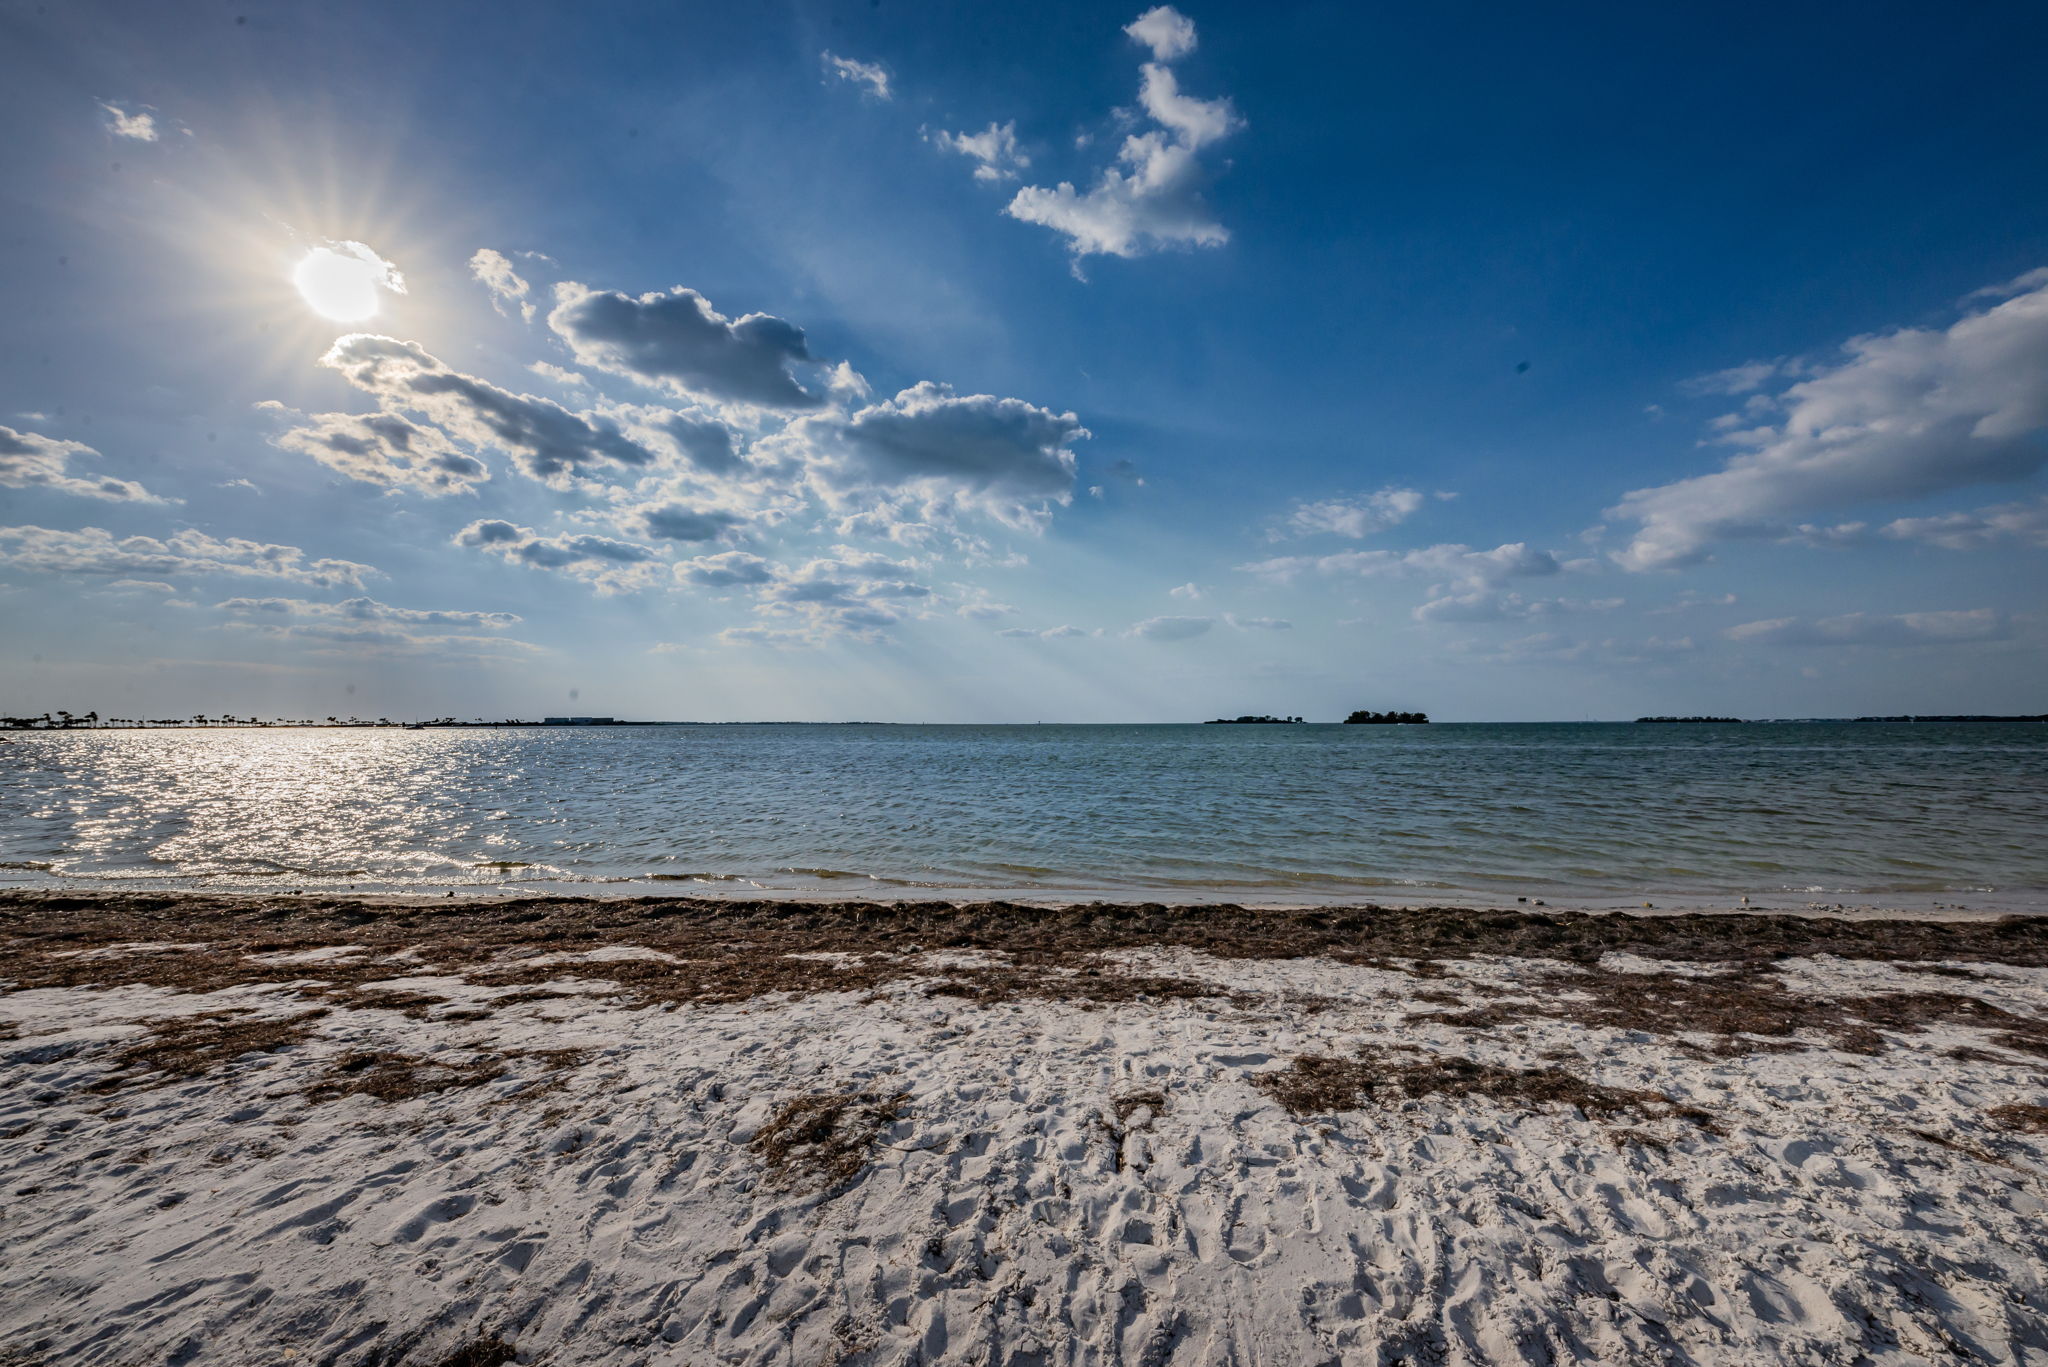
[(1795, 811)]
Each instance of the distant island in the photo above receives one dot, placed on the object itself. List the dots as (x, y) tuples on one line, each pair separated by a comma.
[(1387, 719), (1253, 721), (1718, 720)]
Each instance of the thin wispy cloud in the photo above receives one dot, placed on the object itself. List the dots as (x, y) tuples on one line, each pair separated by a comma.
[(872, 79)]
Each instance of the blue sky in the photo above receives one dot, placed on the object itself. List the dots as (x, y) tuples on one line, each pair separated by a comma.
[(1067, 362)]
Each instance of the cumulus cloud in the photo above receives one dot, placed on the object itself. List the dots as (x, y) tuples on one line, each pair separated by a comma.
[(1908, 413), (508, 288), (677, 341), (1355, 518), (850, 593), (29, 460), (1004, 457), (727, 570), (994, 149), (1258, 623), (873, 79), (385, 449), (707, 444), (1171, 628), (1874, 629), (1151, 198), (678, 521), (95, 550), (545, 439), (2027, 522), (613, 566), (1169, 33), (138, 124)]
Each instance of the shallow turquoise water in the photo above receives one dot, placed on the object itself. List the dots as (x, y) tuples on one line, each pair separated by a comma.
[(1564, 811)]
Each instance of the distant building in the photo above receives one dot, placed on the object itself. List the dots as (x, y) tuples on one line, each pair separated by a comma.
[(579, 721)]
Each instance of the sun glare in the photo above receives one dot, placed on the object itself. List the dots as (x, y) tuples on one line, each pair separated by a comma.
[(344, 281)]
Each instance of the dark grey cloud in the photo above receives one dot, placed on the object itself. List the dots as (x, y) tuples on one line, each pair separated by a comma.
[(678, 341), (1008, 457), (706, 444), (682, 522), (730, 569)]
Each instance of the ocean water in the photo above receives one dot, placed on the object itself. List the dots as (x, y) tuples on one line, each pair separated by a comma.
[(1573, 814)]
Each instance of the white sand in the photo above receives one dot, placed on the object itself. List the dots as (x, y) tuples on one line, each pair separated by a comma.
[(1001, 1220)]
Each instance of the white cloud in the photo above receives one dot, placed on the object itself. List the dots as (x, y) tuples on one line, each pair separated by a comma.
[(1151, 198), (548, 441), (547, 371), (365, 626), (1454, 564), (29, 460), (1355, 518), (1738, 379), (1258, 623), (612, 566), (1485, 606), (677, 341), (1872, 629), (366, 610), (508, 288), (1972, 531), (994, 150), (382, 448), (1169, 33), (138, 124), (859, 73), (1171, 628), (977, 604), (1059, 633), (94, 550), (1190, 591), (1909, 413)]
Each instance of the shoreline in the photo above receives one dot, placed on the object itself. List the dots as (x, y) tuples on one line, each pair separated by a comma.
[(866, 890), (670, 1131)]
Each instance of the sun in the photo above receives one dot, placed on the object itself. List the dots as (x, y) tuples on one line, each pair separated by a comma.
[(345, 281)]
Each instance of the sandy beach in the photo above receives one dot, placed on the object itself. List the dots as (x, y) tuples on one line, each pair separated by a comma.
[(300, 1129)]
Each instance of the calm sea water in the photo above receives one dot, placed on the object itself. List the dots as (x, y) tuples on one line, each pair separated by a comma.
[(1782, 812)]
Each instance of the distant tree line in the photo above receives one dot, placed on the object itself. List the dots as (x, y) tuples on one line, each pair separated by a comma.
[(1683, 719), (1387, 719)]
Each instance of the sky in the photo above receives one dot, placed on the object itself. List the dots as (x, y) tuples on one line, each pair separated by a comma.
[(1060, 362)]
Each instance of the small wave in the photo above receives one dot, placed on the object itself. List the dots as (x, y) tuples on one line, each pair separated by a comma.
[(30, 865)]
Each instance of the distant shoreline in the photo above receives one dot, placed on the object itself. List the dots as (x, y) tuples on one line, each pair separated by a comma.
[(1907, 720)]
